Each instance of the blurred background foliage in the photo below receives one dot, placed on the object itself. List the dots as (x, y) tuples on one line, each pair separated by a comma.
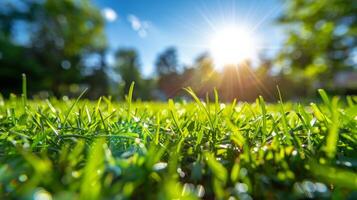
[(319, 51), (321, 43)]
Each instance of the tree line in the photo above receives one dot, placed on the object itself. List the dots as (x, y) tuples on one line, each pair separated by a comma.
[(65, 50)]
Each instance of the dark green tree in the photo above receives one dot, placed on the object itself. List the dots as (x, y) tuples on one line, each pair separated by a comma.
[(98, 80), (61, 34), (15, 58), (67, 31), (321, 40), (128, 66), (169, 80), (166, 62)]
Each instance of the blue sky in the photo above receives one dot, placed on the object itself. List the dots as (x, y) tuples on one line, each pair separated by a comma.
[(150, 26)]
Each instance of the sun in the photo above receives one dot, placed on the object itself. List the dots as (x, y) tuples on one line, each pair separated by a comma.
[(232, 45)]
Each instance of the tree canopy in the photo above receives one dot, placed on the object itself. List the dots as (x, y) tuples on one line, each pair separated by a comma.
[(60, 34), (321, 40)]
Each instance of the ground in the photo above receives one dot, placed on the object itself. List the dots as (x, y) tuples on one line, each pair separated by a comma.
[(80, 149)]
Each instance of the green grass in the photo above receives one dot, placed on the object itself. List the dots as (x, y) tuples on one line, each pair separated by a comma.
[(79, 149)]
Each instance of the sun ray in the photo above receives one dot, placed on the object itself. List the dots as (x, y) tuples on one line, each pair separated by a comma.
[(258, 81), (206, 18), (265, 17)]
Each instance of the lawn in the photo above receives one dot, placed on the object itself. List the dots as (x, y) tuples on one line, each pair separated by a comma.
[(81, 149)]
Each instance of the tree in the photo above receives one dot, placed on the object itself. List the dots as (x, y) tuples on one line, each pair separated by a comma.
[(201, 77), (98, 80), (166, 68), (128, 67), (61, 33), (205, 77), (321, 40), (16, 59), (67, 30), (166, 62)]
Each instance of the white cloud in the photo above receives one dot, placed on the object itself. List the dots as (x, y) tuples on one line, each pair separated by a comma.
[(109, 14), (140, 26)]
